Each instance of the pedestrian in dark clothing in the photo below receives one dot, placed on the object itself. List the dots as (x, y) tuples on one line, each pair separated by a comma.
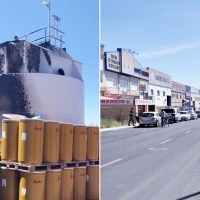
[(131, 117)]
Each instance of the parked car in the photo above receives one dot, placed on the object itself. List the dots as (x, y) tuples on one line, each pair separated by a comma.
[(198, 113), (150, 118), (173, 114), (193, 115), (185, 115)]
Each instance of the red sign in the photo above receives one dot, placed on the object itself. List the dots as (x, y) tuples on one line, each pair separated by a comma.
[(38, 128), (57, 130), (142, 87), (96, 133), (37, 181), (145, 74), (117, 101)]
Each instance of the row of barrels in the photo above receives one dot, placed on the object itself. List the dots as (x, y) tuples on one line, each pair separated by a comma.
[(34, 141), (74, 183)]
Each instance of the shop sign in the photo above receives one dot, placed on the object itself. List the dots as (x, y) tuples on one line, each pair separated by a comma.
[(178, 87), (112, 61), (140, 72), (143, 102), (117, 101), (142, 87), (160, 78)]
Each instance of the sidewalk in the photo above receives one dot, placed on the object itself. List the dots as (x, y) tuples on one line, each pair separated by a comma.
[(117, 128)]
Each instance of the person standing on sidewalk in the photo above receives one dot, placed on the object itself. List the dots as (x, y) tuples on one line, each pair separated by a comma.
[(131, 117)]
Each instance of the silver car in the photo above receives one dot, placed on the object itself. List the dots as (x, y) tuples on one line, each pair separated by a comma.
[(193, 115), (150, 118), (198, 113), (185, 115)]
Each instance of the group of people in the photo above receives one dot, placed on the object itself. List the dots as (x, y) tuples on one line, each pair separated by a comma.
[(163, 115)]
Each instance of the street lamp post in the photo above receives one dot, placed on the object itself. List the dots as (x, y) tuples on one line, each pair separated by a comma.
[(48, 5)]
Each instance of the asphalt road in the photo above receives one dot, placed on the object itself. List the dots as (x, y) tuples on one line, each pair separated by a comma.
[(151, 163)]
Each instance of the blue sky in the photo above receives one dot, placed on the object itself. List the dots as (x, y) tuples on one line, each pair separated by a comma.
[(79, 21), (165, 34)]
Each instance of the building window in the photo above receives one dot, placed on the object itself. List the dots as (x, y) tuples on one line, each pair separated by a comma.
[(180, 96), (134, 86), (177, 96), (158, 93), (123, 86), (163, 93), (111, 82), (152, 92)]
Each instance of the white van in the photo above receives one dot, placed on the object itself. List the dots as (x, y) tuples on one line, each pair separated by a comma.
[(173, 114)]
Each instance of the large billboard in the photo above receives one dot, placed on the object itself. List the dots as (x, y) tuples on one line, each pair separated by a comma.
[(160, 79), (131, 66), (112, 61)]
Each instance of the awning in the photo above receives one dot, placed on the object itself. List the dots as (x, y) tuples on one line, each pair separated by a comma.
[(185, 100), (104, 97)]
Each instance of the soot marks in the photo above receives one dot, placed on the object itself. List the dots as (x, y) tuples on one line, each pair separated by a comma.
[(33, 55), (13, 96), (14, 59), (2, 63)]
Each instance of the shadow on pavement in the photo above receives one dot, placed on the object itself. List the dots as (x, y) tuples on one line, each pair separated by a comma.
[(145, 126), (189, 196)]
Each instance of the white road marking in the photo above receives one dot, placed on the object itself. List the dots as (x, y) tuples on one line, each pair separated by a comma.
[(157, 149), (134, 132), (188, 131), (150, 149), (144, 131), (110, 163), (165, 141)]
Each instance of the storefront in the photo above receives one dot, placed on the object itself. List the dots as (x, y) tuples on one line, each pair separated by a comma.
[(159, 89), (178, 95)]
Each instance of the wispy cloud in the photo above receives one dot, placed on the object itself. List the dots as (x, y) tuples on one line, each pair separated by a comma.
[(171, 50)]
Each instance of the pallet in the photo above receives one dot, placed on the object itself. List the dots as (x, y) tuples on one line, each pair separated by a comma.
[(76, 164), (8, 165), (93, 162), (42, 167)]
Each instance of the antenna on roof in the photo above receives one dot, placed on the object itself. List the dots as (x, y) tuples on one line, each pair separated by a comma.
[(56, 20)]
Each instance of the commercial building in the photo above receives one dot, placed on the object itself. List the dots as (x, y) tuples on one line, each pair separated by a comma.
[(160, 85), (124, 83)]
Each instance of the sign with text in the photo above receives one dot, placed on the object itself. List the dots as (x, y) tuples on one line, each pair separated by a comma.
[(141, 72), (143, 102), (178, 87), (142, 87), (159, 78), (117, 101), (112, 61)]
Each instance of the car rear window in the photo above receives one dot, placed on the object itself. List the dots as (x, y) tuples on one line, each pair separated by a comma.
[(183, 112), (147, 114), (169, 110)]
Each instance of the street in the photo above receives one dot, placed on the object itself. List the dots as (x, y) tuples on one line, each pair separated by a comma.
[(151, 163)]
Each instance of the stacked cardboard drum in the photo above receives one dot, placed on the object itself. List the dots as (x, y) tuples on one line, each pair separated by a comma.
[(49, 160)]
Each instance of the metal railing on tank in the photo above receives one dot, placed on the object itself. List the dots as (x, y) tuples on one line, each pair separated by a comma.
[(54, 40)]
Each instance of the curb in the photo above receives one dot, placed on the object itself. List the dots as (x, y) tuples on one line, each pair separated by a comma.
[(117, 128)]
